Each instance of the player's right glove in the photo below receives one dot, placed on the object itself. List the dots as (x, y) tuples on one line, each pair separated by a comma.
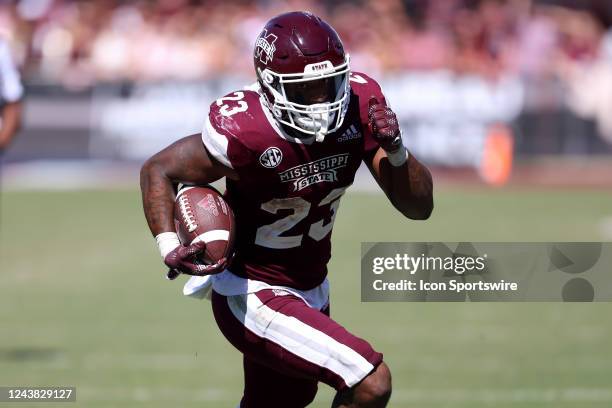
[(184, 259)]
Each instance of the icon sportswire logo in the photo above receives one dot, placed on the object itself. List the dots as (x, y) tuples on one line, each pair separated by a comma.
[(318, 171), (264, 47)]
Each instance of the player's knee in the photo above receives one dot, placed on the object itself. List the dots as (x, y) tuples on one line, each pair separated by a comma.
[(375, 390)]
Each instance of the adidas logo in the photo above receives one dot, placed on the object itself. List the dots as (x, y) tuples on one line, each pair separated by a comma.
[(350, 134)]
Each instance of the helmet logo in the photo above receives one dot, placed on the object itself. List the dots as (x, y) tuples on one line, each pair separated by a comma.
[(271, 157), (264, 47), (319, 68)]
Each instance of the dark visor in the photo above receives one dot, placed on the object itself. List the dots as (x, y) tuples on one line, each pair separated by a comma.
[(315, 91)]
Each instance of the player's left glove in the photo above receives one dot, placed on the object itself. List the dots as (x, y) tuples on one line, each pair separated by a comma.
[(384, 126)]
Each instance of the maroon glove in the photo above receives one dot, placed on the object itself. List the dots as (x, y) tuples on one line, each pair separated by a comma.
[(184, 259), (383, 125)]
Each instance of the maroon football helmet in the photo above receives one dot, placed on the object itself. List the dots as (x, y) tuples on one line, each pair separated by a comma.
[(303, 72)]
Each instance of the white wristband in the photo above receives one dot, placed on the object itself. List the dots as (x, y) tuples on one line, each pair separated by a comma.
[(167, 242), (398, 157)]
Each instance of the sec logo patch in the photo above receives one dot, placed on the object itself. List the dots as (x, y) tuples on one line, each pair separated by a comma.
[(271, 157)]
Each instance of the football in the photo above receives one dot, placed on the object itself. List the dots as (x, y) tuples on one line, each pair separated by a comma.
[(202, 214)]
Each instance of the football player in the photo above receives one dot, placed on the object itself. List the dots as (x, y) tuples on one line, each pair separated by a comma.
[(289, 147)]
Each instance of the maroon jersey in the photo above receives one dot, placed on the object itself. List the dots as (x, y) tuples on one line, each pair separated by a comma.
[(289, 190)]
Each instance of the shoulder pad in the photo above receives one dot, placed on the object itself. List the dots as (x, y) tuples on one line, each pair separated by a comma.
[(365, 87), (229, 123)]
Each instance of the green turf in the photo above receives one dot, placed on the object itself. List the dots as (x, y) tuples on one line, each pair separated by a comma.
[(83, 302)]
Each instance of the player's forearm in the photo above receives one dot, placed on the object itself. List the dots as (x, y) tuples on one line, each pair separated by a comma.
[(404, 180), (11, 122), (157, 197), (185, 161), (410, 188)]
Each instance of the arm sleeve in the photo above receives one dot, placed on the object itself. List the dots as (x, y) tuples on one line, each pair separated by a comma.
[(11, 89)]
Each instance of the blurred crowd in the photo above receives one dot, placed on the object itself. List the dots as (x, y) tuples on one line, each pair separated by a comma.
[(78, 42)]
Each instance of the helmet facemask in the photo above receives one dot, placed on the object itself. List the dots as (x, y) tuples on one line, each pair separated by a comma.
[(314, 102)]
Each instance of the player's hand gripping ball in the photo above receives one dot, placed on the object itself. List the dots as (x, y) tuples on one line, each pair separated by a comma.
[(384, 126), (205, 225), (184, 259)]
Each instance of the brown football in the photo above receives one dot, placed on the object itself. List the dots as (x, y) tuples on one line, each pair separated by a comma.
[(201, 214)]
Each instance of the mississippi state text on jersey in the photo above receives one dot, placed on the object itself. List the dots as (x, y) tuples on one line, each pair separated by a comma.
[(289, 189)]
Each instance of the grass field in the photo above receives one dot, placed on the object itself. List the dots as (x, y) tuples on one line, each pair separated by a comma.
[(83, 302)]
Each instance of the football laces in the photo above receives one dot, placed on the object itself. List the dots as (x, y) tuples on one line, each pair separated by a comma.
[(187, 213)]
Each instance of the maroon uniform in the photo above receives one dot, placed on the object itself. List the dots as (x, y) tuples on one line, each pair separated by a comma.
[(273, 303), (289, 189)]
